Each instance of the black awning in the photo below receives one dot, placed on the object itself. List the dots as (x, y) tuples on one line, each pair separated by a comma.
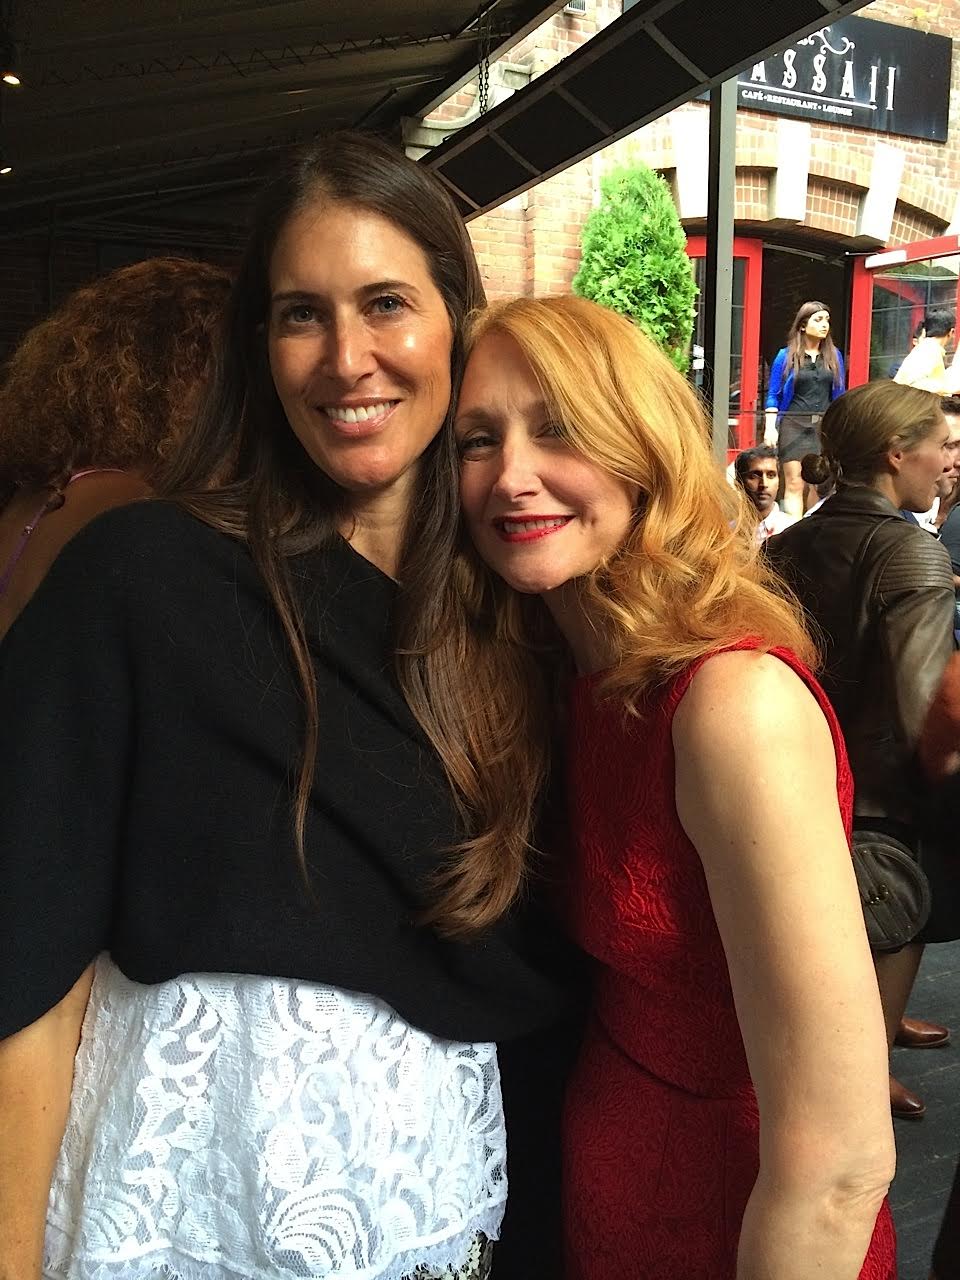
[(656, 56)]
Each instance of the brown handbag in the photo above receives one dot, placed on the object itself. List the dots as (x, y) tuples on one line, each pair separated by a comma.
[(894, 892)]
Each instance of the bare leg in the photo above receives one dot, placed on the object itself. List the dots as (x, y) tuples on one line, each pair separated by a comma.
[(792, 489), (896, 972), (895, 975)]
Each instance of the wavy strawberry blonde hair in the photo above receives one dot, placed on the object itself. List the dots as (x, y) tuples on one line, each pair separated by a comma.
[(687, 580)]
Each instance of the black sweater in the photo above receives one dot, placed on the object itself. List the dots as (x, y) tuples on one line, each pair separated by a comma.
[(150, 728)]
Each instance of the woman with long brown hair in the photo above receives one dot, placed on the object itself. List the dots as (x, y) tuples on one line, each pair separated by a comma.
[(806, 375), (700, 1137), (220, 824)]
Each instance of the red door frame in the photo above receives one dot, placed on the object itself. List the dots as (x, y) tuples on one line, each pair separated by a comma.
[(861, 302), (746, 423)]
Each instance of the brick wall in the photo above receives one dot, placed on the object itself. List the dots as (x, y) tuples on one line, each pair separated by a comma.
[(831, 207), (753, 194), (500, 241)]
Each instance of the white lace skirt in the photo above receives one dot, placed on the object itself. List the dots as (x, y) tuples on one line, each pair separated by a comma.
[(228, 1127)]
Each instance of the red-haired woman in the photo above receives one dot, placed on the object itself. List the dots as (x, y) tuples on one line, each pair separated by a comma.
[(702, 1135)]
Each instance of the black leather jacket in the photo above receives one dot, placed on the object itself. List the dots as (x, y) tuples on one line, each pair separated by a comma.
[(886, 631)]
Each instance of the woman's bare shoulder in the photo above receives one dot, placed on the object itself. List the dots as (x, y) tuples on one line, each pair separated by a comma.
[(740, 676), (742, 698)]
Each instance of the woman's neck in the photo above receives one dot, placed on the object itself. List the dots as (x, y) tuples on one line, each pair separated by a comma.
[(811, 345), (582, 628), (376, 540), (376, 525), (883, 483)]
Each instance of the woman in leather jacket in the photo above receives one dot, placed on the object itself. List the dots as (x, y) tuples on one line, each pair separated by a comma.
[(880, 590)]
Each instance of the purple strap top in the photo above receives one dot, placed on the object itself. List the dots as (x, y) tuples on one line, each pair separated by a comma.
[(31, 524)]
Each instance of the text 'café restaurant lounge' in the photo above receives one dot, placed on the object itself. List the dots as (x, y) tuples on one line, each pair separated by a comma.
[(847, 192)]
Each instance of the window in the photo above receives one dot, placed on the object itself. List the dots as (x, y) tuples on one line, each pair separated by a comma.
[(902, 294)]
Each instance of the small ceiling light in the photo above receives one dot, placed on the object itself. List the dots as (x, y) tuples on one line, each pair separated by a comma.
[(5, 165), (9, 63)]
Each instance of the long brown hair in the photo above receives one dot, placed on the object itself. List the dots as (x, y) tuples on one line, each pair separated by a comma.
[(244, 472), (687, 580), (113, 376), (795, 343)]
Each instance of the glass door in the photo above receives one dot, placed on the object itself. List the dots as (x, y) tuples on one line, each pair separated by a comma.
[(892, 291), (745, 422)]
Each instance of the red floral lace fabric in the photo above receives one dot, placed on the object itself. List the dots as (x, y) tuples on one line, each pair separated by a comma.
[(661, 1125)]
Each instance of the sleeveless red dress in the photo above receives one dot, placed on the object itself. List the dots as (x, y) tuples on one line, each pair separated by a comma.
[(661, 1128)]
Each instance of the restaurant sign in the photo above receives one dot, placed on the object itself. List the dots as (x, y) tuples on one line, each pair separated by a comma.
[(857, 72)]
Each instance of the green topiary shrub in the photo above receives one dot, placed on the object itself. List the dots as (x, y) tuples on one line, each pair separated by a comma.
[(634, 259)]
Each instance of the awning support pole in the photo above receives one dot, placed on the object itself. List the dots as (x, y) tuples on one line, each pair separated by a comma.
[(717, 301)]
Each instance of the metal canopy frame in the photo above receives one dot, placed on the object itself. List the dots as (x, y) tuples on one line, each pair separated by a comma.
[(658, 55)]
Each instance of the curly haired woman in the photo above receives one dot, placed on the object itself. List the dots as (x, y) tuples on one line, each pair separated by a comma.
[(91, 402)]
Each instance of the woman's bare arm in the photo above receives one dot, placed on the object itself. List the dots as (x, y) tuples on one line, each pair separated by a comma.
[(756, 793), (36, 1074), (770, 432)]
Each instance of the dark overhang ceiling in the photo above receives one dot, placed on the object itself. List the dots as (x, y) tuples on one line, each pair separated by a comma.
[(134, 121), (129, 108)]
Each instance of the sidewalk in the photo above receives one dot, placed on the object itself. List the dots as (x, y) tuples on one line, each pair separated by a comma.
[(927, 1149)]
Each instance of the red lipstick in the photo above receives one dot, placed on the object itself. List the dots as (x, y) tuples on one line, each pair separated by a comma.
[(529, 528)]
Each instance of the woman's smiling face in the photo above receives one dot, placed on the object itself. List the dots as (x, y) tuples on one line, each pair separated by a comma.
[(359, 342), (538, 511)]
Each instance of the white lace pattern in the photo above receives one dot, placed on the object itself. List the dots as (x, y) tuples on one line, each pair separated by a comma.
[(228, 1127)]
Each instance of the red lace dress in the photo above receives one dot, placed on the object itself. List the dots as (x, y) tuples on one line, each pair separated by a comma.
[(661, 1125)]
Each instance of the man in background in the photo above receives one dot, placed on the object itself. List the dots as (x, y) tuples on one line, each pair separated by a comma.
[(758, 475), (924, 366), (948, 514)]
